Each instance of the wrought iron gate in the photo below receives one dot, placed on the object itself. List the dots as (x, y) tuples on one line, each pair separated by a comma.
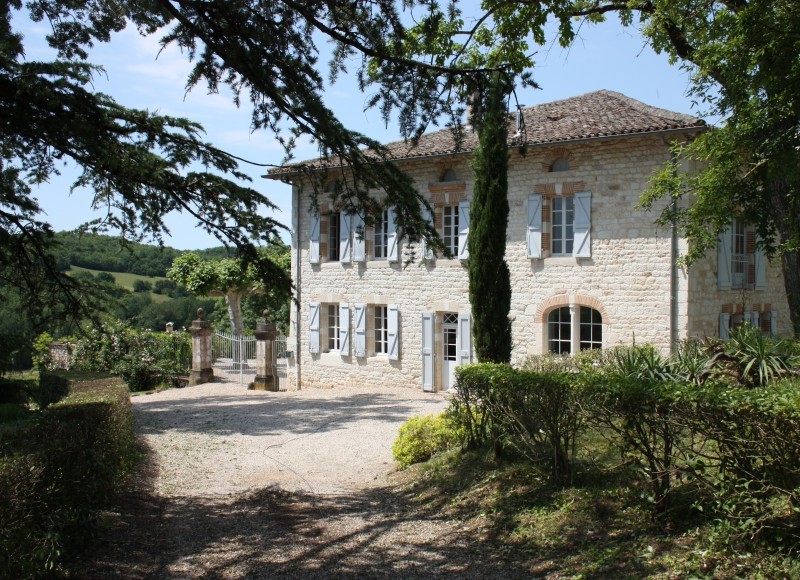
[(281, 364), (233, 357)]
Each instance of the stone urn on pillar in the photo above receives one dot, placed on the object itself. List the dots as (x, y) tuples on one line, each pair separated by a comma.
[(202, 371), (265, 338)]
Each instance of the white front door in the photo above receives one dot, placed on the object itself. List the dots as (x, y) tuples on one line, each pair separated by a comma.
[(449, 349)]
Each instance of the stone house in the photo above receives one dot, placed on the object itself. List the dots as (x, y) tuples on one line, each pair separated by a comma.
[(588, 269)]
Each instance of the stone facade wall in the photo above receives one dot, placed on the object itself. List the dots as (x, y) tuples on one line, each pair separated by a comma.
[(626, 279)]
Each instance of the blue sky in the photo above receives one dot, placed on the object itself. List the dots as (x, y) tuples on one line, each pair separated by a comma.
[(606, 56)]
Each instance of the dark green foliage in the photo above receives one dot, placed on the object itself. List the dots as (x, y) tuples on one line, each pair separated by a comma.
[(142, 286), (56, 473), (539, 415), (489, 278), (180, 311)]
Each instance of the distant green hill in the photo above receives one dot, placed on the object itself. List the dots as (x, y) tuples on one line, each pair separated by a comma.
[(106, 253), (126, 280)]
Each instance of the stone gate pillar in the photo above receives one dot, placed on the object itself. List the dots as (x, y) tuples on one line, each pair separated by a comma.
[(201, 372), (265, 339)]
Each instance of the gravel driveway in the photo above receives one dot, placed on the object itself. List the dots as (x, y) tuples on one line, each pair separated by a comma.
[(219, 439), (249, 484)]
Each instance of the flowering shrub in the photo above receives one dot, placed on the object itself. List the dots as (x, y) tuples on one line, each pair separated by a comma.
[(142, 358)]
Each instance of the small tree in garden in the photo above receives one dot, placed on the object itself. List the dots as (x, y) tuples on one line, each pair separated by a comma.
[(489, 279), (229, 277)]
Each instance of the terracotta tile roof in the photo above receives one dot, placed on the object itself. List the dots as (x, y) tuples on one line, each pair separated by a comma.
[(600, 114)]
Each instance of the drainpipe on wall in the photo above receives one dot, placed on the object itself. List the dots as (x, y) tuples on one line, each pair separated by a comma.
[(673, 277), (298, 285)]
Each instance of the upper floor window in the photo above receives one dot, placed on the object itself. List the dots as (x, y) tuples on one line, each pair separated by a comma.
[(559, 164), (448, 175), (450, 228), (381, 238), (334, 228), (562, 234)]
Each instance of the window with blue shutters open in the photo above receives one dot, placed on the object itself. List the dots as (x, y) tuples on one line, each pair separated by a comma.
[(559, 226), (767, 322), (741, 264)]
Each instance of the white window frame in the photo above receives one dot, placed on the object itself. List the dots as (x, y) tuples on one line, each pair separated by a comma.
[(450, 230), (574, 323), (566, 238), (380, 238), (332, 327), (380, 332)]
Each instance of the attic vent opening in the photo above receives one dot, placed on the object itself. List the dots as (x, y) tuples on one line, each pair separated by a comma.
[(448, 175), (559, 164), (555, 116), (333, 186)]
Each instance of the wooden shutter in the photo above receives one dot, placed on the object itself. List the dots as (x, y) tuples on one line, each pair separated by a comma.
[(360, 327), (724, 325), (313, 327), (344, 237), (724, 259), (534, 233), (313, 240), (344, 329), (427, 351), (394, 331), (760, 263), (463, 229), (464, 338), (427, 251), (392, 253), (359, 239), (582, 226)]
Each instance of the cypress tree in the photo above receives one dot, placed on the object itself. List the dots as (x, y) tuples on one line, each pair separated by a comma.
[(489, 279)]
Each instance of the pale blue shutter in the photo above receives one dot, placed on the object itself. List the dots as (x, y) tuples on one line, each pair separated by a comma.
[(464, 338), (392, 253), (344, 237), (427, 351), (313, 327), (313, 240), (427, 251), (724, 325), (360, 327), (463, 229), (724, 259), (760, 264), (359, 239), (344, 329), (534, 233), (773, 324), (394, 331), (582, 226)]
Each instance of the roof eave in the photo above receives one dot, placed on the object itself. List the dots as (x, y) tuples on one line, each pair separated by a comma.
[(658, 132)]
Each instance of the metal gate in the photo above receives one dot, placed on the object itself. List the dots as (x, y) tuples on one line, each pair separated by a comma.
[(233, 357), (281, 364)]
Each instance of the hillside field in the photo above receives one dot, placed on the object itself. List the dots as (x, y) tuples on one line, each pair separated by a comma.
[(126, 280)]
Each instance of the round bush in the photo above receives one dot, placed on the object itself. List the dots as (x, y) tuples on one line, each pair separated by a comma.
[(422, 437)]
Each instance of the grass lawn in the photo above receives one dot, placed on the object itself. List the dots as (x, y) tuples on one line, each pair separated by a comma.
[(126, 280)]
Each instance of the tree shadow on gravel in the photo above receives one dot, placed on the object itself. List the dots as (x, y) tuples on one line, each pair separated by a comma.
[(272, 533), (272, 414)]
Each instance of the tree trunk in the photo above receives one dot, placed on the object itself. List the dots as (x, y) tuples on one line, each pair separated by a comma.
[(233, 301), (786, 222)]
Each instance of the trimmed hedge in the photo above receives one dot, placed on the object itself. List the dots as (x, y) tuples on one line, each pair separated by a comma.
[(420, 438), (57, 472)]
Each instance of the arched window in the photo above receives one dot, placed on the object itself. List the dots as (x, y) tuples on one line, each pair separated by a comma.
[(560, 335), (560, 164), (448, 175)]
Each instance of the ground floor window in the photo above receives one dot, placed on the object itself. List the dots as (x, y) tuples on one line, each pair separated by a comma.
[(333, 327), (560, 335), (381, 321)]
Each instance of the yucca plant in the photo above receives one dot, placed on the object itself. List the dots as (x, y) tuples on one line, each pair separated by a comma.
[(644, 362), (694, 360), (755, 359)]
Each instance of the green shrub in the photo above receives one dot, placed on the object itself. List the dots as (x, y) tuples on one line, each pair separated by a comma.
[(420, 438), (57, 472), (538, 414), (10, 412)]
